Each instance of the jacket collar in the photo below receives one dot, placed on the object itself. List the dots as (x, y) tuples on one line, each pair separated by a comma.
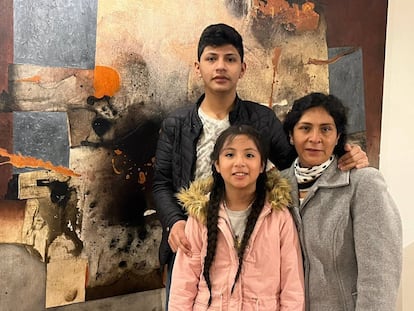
[(331, 178), (195, 198), (233, 115)]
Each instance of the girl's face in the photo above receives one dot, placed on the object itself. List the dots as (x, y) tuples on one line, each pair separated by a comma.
[(239, 163), (314, 137)]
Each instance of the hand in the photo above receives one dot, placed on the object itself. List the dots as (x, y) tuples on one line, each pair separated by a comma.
[(177, 238), (354, 157)]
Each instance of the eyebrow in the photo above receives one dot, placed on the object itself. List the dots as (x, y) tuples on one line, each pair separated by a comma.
[(310, 123), (247, 149), (226, 54)]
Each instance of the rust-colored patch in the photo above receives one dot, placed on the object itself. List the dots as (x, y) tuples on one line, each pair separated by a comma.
[(35, 79), (332, 60), (106, 81), (294, 18), (11, 221), (275, 62), (23, 161)]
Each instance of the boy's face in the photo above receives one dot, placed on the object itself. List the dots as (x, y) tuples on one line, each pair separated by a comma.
[(220, 67)]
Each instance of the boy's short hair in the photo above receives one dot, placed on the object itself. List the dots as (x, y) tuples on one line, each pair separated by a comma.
[(219, 35)]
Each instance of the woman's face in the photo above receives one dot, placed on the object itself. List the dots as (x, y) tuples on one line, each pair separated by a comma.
[(314, 137), (239, 163)]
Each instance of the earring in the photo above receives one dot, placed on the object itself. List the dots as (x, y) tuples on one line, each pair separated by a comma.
[(291, 141)]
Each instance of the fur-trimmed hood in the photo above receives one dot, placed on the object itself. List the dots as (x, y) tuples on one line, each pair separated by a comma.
[(195, 198)]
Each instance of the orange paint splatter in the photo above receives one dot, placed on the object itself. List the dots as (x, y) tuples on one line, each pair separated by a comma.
[(141, 178), (294, 18), (35, 79), (106, 81), (23, 161)]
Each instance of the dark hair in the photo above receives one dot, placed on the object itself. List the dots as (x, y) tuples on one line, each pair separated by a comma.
[(217, 195), (331, 104), (219, 35)]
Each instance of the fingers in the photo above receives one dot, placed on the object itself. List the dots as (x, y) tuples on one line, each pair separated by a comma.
[(355, 157), (177, 238)]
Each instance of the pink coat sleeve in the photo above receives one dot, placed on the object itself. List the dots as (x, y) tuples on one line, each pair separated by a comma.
[(187, 270), (292, 296)]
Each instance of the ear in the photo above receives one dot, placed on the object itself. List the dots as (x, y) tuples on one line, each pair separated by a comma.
[(217, 166), (337, 139), (291, 139), (197, 68), (243, 70)]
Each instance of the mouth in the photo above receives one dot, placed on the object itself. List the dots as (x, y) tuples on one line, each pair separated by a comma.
[(220, 78), (240, 174)]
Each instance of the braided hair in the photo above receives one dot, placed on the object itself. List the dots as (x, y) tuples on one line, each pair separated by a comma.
[(217, 196)]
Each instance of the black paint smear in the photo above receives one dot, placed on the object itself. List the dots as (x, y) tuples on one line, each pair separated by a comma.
[(13, 188), (138, 147), (101, 126), (237, 7), (59, 191)]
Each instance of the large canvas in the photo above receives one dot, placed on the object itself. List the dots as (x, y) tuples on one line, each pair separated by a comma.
[(88, 85)]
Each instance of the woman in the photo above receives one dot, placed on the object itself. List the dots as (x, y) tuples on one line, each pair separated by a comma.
[(245, 250), (349, 226)]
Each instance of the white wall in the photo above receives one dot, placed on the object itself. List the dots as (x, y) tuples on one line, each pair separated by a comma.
[(397, 134)]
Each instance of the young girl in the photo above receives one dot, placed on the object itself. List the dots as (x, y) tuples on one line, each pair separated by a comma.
[(245, 252)]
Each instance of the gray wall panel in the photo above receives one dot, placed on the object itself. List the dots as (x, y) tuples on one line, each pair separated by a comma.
[(346, 81), (43, 135), (57, 33)]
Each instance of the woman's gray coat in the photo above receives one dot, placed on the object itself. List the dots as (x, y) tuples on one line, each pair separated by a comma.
[(351, 238)]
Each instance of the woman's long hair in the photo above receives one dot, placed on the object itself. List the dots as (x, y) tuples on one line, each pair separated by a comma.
[(217, 196)]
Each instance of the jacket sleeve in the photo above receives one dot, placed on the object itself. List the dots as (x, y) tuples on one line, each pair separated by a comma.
[(186, 273), (166, 204), (292, 295), (281, 153), (378, 243)]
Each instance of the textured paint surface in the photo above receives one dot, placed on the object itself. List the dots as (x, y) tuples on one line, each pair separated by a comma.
[(347, 82), (350, 26), (6, 41), (35, 88), (43, 136), (6, 142), (294, 18), (55, 33), (11, 221)]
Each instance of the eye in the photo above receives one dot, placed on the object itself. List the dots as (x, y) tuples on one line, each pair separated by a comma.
[(327, 129), (228, 154), (304, 128), (250, 155), (210, 58)]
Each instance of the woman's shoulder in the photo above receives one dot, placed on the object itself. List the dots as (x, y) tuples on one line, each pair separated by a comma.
[(366, 173)]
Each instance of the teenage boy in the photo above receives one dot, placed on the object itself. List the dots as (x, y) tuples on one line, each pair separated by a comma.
[(188, 135)]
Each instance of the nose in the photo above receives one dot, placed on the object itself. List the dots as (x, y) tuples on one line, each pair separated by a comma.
[(221, 64), (315, 137), (239, 161)]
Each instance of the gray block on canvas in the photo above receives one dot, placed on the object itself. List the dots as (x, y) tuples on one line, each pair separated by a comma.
[(346, 81), (55, 33), (42, 135)]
